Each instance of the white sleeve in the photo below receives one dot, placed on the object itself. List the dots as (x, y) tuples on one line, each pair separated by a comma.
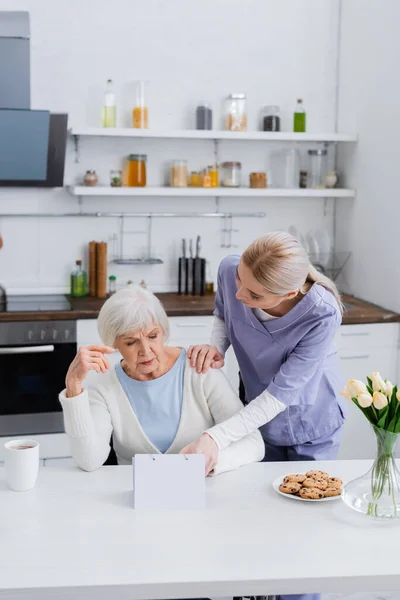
[(223, 402), (88, 425), (219, 336), (258, 412)]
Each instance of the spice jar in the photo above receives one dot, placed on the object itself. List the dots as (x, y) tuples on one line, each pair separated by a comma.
[(195, 179), (204, 116), (136, 170), (271, 119), (179, 173), (303, 178), (90, 178), (258, 180), (115, 178), (236, 113), (317, 168), (331, 179), (231, 173), (140, 113), (206, 178), (112, 284)]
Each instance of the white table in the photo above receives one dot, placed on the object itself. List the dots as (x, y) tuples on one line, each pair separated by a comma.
[(76, 536)]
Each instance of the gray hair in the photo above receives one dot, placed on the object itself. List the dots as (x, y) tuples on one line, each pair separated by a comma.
[(130, 309)]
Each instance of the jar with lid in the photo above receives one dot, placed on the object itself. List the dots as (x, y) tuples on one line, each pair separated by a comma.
[(136, 170), (195, 179), (270, 118), (231, 174), (115, 178), (317, 168), (179, 173), (236, 112), (112, 284), (90, 178), (213, 172), (204, 116)]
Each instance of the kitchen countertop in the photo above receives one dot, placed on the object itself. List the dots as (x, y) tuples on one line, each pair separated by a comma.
[(357, 311), (77, 535)]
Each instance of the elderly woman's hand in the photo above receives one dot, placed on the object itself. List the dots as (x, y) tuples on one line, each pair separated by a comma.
[(204, 445), (205, 356), (88, 358)]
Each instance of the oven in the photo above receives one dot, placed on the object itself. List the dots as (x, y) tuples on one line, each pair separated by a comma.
[(34, 359)]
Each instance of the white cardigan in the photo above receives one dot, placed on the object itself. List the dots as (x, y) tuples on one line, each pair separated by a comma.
[(104, 409)]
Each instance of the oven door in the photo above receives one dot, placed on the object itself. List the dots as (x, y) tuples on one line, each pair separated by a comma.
[(31, 377)]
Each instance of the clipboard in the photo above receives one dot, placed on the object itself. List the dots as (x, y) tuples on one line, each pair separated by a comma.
[(169, 481)]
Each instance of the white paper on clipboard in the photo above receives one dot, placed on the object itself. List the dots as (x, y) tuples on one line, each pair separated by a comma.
[(169, 481)]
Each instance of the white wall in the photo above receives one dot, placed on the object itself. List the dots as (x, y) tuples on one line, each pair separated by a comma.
[(369, 104), (274, 50)]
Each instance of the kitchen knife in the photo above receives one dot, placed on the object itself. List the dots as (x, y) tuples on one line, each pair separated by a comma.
[(182, 270), (199, 271), (190, 265)]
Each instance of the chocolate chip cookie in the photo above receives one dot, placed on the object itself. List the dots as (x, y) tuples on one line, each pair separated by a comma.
[(332, 491), (310, 482), (317, 474), (334, 482), (311, 493), (297, 477), (290, 488)]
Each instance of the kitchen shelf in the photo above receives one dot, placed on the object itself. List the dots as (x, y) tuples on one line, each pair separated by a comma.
[(222, 192), (189, 134)]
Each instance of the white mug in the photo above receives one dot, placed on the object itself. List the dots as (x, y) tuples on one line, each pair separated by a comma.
[(22, 464)]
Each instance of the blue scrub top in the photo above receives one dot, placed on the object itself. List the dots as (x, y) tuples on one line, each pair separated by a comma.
[(294, 357)]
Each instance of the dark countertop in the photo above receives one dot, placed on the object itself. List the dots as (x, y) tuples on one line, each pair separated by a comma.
[(357, 311)]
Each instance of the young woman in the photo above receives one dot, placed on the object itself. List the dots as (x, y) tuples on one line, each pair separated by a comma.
[(280, 315)]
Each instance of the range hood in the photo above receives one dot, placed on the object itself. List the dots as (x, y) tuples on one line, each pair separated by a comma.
[(32, 142)]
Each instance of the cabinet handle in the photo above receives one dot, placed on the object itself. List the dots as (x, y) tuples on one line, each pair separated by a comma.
[(359, 356), (361, 333)]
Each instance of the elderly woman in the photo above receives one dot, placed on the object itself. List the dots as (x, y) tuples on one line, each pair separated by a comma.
[(152, 401)]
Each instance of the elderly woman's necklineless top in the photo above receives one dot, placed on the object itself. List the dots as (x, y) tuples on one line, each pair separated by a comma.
[(157, 403)]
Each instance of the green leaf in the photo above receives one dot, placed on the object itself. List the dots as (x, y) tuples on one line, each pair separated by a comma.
[(369, 382), (368, 412), (383, 413), (371, 391)]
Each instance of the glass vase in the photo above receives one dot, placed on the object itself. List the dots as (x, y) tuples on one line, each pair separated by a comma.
[(377, 493)]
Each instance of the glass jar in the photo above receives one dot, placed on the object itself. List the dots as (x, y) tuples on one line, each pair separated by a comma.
[(236, 112), (231, 174), (195, 179), (179, 173), (258, 180), (213, 173), (90, 178), (140, 113), (206, 178), (270, 118), (115, 178), (204, 116), (112, 284), (317, 168), (136, 170)]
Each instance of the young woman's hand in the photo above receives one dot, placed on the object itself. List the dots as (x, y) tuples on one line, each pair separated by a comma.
[(204, 445), (88, 358), (205, 356)]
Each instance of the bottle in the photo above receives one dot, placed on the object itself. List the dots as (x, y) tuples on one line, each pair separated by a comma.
[(79, 281), (110, 106), (299, 117), (112, 284)]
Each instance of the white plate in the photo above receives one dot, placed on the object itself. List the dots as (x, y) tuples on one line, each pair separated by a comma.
[(280, 479)]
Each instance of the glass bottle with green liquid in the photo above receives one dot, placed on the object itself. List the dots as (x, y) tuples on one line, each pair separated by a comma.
[(110, 106), (79, 281), (299, 117)]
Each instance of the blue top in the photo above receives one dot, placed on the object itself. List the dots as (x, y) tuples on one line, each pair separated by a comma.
[(294, 357), (157, 403)]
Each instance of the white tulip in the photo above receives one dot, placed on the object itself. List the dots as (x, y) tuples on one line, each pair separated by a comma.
[(364, 400), (398, 395), (389, 389), (380, 400), (356, 387), (378, 385), (347, 393)]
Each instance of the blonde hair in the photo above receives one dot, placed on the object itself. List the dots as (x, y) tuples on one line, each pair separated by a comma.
[(129, 310), (281, 265)]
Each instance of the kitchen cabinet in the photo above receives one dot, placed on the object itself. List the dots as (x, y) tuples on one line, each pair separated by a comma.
[(363, 349)]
